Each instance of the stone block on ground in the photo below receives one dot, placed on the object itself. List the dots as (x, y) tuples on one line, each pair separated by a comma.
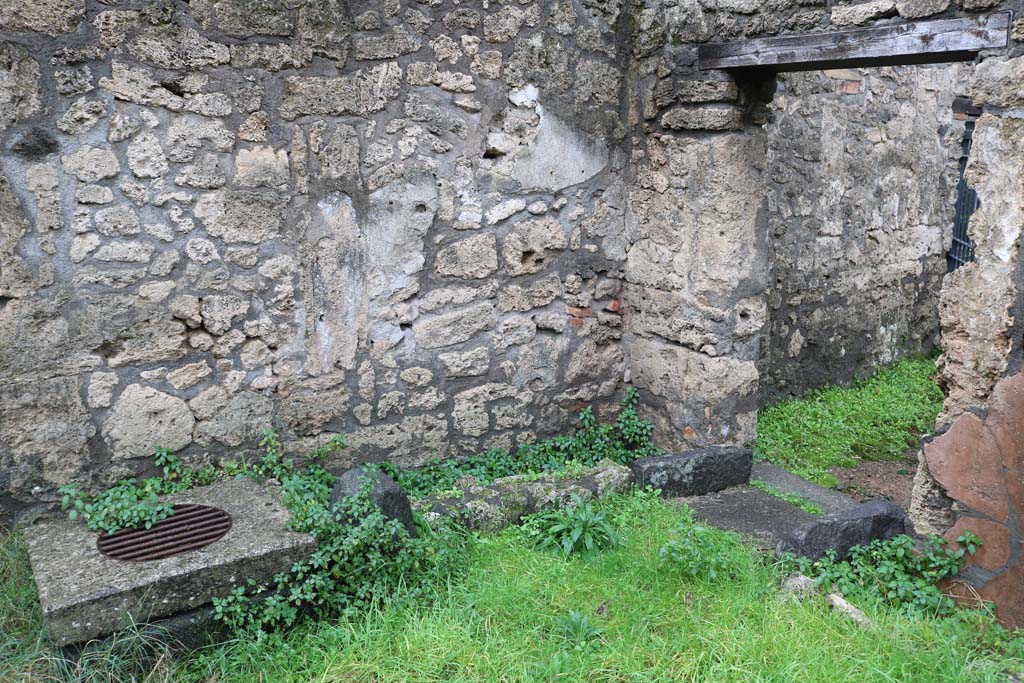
[(387, 496), (829, 500), (842, 531), (86, 594), (696, 472), (507, 500), (761, 518)]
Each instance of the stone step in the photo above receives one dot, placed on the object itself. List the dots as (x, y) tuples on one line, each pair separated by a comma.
[(829, 500), (776, 525), (752, 513), (86, 594)]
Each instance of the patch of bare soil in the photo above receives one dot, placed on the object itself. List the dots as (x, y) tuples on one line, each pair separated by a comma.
[(891, 480)]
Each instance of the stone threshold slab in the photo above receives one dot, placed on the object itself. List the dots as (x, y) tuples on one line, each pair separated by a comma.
[(85, 594)]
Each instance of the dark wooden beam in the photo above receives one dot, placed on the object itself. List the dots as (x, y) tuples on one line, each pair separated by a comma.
[(912, 42)]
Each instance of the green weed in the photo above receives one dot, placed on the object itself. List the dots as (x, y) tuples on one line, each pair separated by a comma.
[(895, 572), (577, 528), (621, 441), (499, 621), (791, 498)]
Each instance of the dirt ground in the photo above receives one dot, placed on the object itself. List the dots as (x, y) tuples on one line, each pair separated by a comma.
[(889, 480)]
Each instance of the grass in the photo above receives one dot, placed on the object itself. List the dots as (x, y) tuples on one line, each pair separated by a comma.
[(804, 504), (878, 418), (510, 619)]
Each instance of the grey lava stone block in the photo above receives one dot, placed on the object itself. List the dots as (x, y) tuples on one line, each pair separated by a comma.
[(387, 495), (876, 519), (696, 472)]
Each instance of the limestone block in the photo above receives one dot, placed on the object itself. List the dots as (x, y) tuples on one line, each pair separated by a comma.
[(15, 278), (917, 9), (531, 245), (188, 133), (333, 286), (146, 157), (125, 252), (81, 116), (558, 156), (101, 389), (848, 15), (385, 45), (243, 18), (472, 258), (363, 92), (93, 194), (148, 342), (274, 57), (90, 164), (144, 419), (400, 214), (454, 327), (44, 431), (703, 118), (514, 297), (503, 210), (117, 221), (241, 215), (239, 421), (219, 312), (707, 91), (261, 167), (139, 86), (206, 173), (189, 375), (337, 150), (998, 82), (466, 363), (52, 17), (173, 47), (411, 442)]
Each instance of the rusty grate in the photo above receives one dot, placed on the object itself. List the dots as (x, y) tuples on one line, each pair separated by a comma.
[(189, 528)]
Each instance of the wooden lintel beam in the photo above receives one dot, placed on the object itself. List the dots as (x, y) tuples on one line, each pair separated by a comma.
[(912, 42)]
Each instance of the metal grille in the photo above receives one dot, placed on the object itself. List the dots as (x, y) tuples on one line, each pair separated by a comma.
[(189, 528), (962, 250)]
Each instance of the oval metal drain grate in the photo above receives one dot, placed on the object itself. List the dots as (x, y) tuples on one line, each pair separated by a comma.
[(189, 528)]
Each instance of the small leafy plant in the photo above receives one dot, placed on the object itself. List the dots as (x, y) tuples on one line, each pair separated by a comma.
[(134, 503), (362, 557), (557, 666), (577, 528), (701, 551), (895, 572), (579, 632)]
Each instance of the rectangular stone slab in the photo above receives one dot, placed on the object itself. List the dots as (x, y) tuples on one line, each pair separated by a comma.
[(86, 594)]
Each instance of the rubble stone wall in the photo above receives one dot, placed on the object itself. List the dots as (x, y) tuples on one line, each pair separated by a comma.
[(863, 169), (403, 221), (971, 473), (436, 227)]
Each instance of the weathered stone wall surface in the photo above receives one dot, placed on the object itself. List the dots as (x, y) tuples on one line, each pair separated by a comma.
[(696, 272), (688, 22), (862, 180), (971, 476), (404, 221)]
